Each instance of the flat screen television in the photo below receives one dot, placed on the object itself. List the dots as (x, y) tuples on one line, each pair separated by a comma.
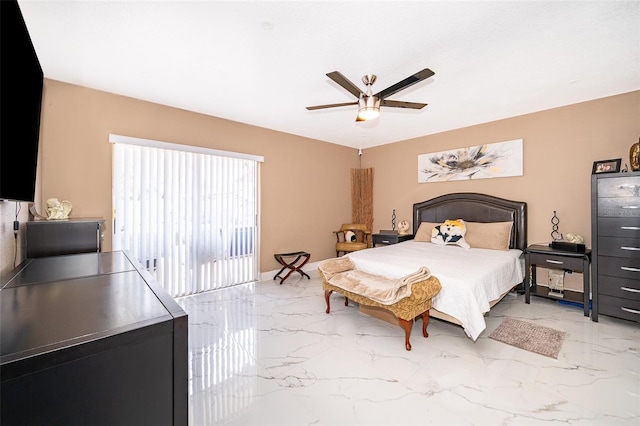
[(21, 85)]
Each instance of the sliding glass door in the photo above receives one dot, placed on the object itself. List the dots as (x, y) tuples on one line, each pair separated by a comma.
[(189, 215)]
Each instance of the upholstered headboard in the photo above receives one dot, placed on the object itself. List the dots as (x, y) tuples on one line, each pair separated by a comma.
[(474, 207)]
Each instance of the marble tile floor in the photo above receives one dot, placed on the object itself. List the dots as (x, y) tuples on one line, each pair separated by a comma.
[(267, 354)]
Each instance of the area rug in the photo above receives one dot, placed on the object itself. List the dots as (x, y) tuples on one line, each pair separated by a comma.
[(530, 337)]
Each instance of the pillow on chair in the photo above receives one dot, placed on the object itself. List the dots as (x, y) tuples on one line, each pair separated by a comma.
[(350, 236), (450, 232)]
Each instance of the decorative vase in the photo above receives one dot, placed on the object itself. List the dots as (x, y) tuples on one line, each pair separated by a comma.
[(634, 154)]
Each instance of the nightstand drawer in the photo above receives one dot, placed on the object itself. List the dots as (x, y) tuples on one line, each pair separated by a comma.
[(390, 238), (556, 262)]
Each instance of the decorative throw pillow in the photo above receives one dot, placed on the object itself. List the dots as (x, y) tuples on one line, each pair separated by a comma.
[(494, 235), (423, 234), (450, 232)]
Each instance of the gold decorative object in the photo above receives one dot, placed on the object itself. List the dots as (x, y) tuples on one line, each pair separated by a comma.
[(634, 154)]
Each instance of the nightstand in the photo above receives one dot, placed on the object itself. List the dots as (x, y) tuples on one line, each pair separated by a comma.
[(547, 257), (388, 239)]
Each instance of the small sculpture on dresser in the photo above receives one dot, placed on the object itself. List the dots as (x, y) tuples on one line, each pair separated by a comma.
[(58, 210), (574, 238), (634, 156)]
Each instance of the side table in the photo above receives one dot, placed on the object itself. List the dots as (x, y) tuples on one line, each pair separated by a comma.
[(547, 257)]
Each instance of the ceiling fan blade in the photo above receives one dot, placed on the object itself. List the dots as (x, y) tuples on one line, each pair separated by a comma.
[(311, 108), (402, 104), (407, 82), (344, 82)]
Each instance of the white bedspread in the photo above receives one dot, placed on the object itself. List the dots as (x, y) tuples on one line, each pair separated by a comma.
[(470, 279)]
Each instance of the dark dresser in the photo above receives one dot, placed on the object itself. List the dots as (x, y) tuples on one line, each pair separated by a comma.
[(68, 236), (90, 339), (615, 232)]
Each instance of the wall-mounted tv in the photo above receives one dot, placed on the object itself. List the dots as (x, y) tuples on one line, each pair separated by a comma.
[(21, 84)]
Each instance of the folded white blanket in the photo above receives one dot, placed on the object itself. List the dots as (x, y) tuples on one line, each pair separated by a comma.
[(331, 267), (341, 273)]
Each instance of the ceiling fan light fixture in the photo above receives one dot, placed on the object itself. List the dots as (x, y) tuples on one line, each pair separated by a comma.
[(368, 107), (368, 102)]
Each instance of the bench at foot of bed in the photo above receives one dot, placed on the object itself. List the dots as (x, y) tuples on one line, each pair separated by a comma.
[(405, 310)]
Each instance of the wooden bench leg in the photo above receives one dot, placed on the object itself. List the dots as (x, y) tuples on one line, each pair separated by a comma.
[(406, 325), (327, 293), (425, 322)]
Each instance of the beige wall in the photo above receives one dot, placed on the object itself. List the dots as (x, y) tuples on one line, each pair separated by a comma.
[(302, 201), (560, 146), (306, 183)]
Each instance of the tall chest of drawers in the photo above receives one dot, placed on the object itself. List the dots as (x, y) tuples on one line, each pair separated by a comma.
[(615, 232)]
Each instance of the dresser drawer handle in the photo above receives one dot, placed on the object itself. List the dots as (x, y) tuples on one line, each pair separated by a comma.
[(633, 311), (630, 248), (630, 228), (629, 268), (631, 290), (385, 241), (556, 262), (629, 207)]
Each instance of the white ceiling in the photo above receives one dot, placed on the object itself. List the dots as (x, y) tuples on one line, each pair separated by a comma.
[(263, 62)]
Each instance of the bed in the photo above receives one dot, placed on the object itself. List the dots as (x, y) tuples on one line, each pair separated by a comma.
[(472, 280)]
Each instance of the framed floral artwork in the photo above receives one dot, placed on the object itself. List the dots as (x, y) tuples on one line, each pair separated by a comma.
[(501, 159)]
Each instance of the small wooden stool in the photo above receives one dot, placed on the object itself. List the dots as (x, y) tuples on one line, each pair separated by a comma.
[(292, 266)]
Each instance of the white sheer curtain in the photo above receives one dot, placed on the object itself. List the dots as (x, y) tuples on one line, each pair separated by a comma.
[(188, 214)]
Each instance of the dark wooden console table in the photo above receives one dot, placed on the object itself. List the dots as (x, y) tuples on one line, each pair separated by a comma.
[(90, 339)]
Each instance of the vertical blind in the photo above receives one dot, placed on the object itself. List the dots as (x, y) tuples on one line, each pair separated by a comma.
[(189, 215)]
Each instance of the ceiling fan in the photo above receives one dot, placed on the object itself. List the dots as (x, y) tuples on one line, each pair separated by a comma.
[(368, 103)]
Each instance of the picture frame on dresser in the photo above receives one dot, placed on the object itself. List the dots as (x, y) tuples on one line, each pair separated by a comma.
[(606, 166)]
